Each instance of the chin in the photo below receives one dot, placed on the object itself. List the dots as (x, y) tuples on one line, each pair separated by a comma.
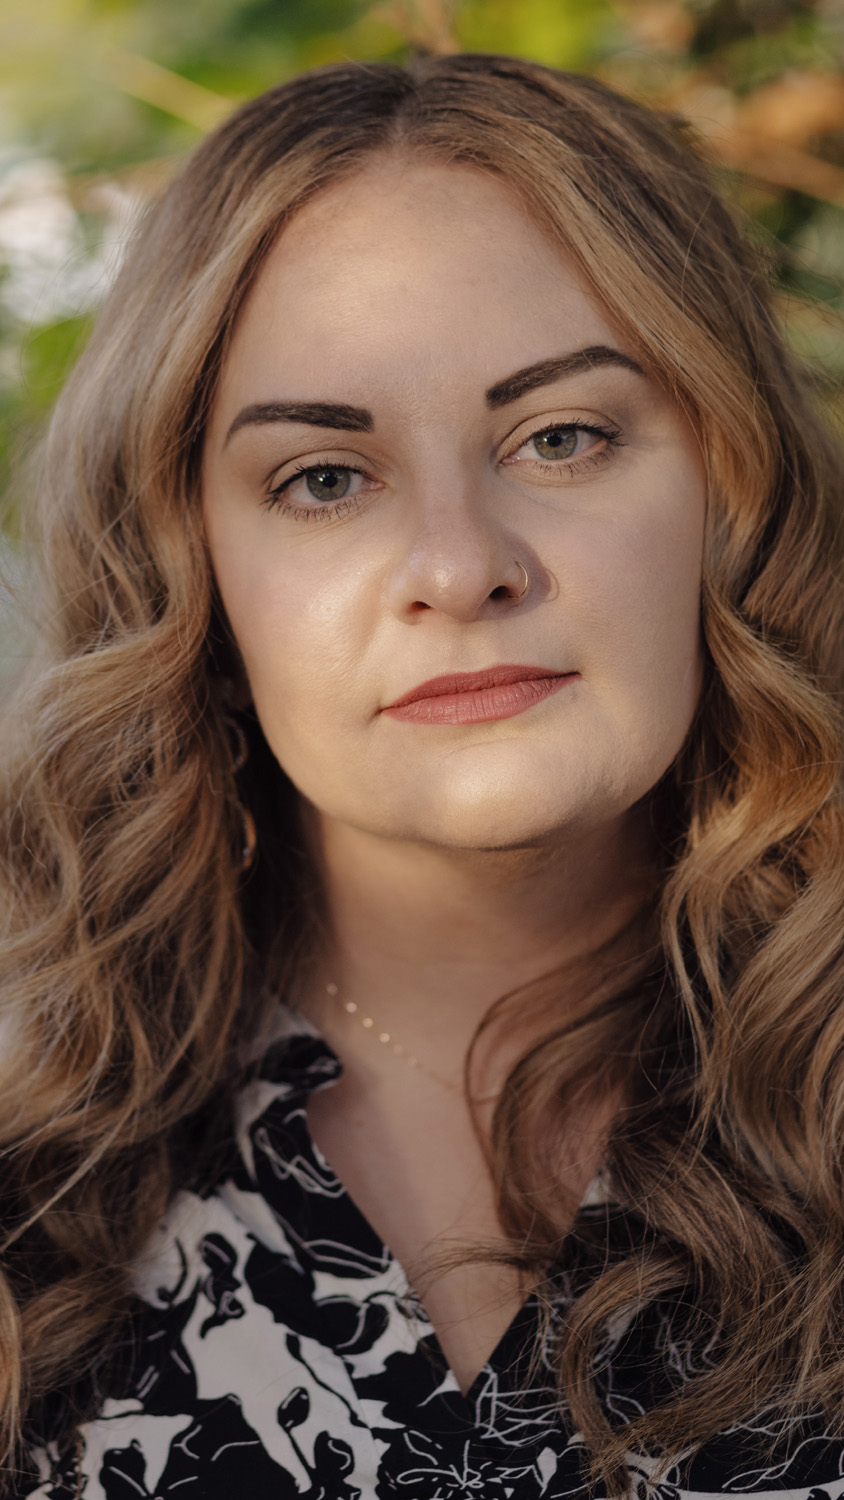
[(524, 818)]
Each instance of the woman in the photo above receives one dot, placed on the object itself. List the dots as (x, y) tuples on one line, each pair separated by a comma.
[(432, 763)]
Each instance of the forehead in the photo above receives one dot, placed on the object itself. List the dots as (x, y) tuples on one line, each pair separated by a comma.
[(411, 267)]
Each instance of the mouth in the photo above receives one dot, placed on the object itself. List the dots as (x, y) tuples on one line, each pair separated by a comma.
[(478, 697)]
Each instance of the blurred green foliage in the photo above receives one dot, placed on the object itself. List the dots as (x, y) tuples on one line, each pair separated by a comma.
[(98, 99), (48, 355)]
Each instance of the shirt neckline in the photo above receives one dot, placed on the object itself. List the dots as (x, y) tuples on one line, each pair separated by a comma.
[(307, 1068), (328, 1229)]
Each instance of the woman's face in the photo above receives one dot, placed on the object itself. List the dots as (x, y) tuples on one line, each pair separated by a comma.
[(407, 434)]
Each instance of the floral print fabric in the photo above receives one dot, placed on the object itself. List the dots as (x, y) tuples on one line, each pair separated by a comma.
[(279, 1353)]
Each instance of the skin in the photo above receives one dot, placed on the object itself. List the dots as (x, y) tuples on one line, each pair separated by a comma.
[(459, 860)]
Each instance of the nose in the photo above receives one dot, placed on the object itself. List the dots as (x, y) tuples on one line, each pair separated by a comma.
[(458, 559)]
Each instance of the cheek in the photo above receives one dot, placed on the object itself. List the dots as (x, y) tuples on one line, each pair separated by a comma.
[(659, 589), (300, 634), (641, 595)]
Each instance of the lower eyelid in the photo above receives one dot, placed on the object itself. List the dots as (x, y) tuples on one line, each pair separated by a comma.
[(574, 465), (280, 506)]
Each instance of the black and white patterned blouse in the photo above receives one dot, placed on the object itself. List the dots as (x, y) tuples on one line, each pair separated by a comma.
[(280, 1355)]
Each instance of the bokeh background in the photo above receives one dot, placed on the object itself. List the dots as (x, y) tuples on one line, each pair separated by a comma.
[(99, 99)]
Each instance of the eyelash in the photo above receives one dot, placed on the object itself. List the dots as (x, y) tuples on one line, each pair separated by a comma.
[(275, 501)]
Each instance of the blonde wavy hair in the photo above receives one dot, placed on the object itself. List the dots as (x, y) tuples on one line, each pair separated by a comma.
[(135, 953)]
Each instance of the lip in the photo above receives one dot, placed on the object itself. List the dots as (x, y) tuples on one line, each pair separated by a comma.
[(498, 692)]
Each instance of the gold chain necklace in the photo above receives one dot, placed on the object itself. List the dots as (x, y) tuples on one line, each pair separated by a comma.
[(391, 1042), (387, 1039)]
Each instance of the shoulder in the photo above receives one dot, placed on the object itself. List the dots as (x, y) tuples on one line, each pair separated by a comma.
[(221, 1362)]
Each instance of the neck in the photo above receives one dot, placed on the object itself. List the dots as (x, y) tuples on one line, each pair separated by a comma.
[(425, 939)]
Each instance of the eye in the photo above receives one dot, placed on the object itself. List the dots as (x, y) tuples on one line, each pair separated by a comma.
[(570, 441), (566, 448), (556, 442), (330, 485)]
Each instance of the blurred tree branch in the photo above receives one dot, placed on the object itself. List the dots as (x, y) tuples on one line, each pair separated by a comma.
[(166, 90)]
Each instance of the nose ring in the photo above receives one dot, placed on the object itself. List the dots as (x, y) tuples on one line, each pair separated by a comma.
[(526, 584)]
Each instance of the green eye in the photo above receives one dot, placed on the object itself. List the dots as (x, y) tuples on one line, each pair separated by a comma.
[(328, 484), (556, 442)]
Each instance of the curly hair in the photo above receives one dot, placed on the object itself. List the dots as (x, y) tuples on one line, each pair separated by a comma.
[(135, 960)]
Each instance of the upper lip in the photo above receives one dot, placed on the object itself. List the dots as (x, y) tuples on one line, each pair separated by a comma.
[(471, 682)]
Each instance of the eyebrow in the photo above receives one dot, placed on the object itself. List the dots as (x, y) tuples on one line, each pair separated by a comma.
[(344, 418), (312, 413), (546, 371)]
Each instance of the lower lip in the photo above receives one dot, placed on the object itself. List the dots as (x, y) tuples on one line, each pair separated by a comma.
[(482, 706)]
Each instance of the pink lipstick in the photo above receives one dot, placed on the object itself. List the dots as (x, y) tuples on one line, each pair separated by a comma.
[(478, 697)]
